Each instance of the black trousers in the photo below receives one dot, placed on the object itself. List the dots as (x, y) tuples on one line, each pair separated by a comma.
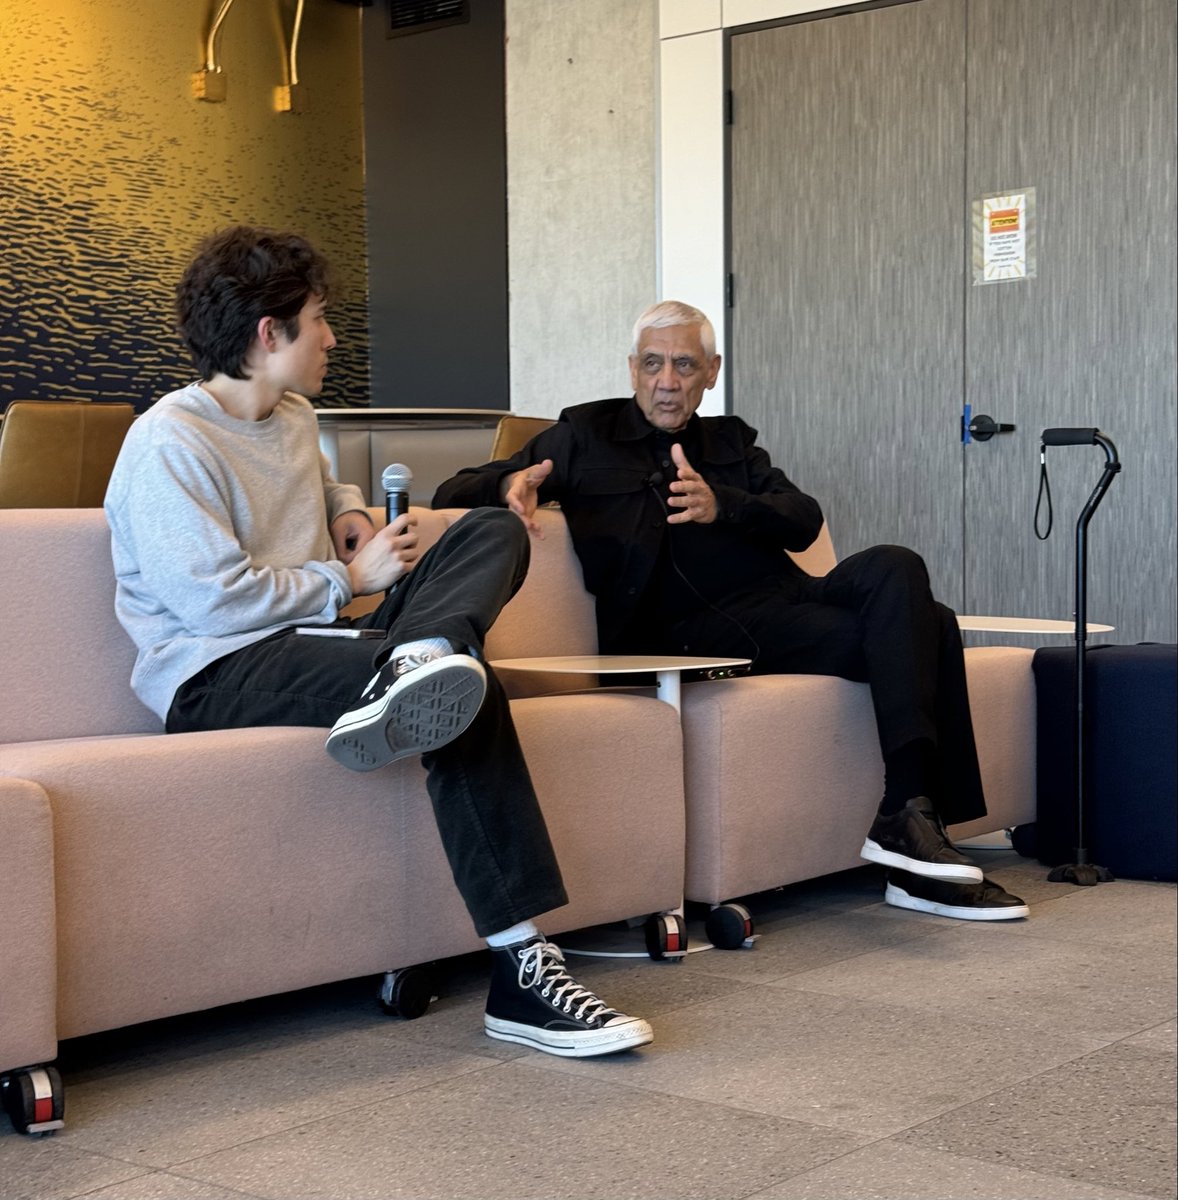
[(490, 822), (873, 620)]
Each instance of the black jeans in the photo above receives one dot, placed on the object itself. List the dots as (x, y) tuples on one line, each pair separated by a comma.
[(490, 822), (873, 620)]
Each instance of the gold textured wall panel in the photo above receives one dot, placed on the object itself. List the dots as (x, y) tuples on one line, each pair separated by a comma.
[(111, 171)]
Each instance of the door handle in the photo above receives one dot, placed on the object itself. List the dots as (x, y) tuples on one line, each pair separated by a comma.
[(982, 428)]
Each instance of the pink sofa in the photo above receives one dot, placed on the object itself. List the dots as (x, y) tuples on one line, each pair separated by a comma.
[(154, 874)]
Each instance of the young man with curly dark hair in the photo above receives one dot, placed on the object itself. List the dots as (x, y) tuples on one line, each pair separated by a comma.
[(229, 535)]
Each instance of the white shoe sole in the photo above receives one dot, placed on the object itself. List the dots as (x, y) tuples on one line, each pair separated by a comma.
[(423, 710), (569, 1044), (875, 853), (901, 899)]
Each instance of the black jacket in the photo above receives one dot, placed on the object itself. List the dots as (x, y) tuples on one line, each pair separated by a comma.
[(611, 471)]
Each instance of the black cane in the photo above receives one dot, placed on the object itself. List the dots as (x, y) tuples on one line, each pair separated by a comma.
[(1081, 871)]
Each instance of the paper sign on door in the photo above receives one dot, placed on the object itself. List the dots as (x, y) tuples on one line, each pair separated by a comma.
[(1004, 237)]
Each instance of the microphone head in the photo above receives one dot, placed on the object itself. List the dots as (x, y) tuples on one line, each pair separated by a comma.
[(396, 477)]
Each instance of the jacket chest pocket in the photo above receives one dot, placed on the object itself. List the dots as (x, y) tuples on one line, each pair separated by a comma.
[(612, 481)]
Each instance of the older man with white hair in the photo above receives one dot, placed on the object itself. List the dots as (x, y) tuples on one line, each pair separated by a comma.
[(680, 523)]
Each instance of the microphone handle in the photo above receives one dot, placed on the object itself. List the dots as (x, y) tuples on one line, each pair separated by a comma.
[(395, 503)]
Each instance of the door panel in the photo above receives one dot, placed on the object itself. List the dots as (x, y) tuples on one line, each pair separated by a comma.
[(846, 247), (860, 141), (1077, 101)]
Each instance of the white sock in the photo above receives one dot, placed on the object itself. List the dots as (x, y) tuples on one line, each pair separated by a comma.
[(517, 933), (424, 649)]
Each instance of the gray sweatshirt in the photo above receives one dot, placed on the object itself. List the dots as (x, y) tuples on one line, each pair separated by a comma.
[(219, 534)]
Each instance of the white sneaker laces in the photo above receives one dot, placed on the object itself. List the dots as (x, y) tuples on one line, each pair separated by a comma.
[(543, 962)]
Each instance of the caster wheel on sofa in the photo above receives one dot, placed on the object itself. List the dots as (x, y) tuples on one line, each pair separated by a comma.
[(1025, 840), (34, 1099), (666, 936), (730, 927), (407, 992)]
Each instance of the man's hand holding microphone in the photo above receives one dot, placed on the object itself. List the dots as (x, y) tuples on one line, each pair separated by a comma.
[(377, 558)]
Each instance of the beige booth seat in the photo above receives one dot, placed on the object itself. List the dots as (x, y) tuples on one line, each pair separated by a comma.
[(191, 870), (161, 874)]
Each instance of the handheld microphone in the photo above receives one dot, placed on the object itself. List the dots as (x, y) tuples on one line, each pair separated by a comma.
[(1069, 437), (395, 479)]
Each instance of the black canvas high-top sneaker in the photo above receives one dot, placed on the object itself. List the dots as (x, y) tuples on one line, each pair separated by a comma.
[(535, 1001), (412, 704)]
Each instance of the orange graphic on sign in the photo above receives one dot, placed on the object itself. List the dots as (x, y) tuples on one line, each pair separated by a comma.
[(1003, 220)]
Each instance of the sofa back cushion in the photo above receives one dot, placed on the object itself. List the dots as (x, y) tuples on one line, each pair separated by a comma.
[(819, 558), (551, 614), (66, 659)]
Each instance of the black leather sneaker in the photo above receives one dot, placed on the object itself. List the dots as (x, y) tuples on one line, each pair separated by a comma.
[(914, 839), (535, 1001), (411, 705), (984, 901)]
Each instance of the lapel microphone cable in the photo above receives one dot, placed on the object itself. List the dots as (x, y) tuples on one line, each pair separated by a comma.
[(655, 481)]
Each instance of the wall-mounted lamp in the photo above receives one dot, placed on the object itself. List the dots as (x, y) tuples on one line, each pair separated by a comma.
[(288, 97), (209, 82)]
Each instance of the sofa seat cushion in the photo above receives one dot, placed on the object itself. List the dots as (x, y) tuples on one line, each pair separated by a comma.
[(784, 774), (201, 869)]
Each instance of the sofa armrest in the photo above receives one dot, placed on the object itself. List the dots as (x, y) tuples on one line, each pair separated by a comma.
[(28, 930)]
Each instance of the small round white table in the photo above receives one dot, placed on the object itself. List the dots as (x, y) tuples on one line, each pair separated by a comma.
[(666, 668), (1024, 625)]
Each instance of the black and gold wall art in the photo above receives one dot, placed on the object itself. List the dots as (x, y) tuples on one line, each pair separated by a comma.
[(112, 169)]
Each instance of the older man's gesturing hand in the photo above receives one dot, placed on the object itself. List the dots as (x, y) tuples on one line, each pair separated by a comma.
[(690, 493), (519, 493)]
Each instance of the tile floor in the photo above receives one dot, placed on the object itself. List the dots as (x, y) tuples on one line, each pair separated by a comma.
[(857, 1051)]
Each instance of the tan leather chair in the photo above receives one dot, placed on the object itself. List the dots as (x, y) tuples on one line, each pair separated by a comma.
[(513, 433), (59, 453)]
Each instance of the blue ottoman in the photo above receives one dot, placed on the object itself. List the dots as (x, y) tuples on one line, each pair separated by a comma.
[(1131, 715)]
